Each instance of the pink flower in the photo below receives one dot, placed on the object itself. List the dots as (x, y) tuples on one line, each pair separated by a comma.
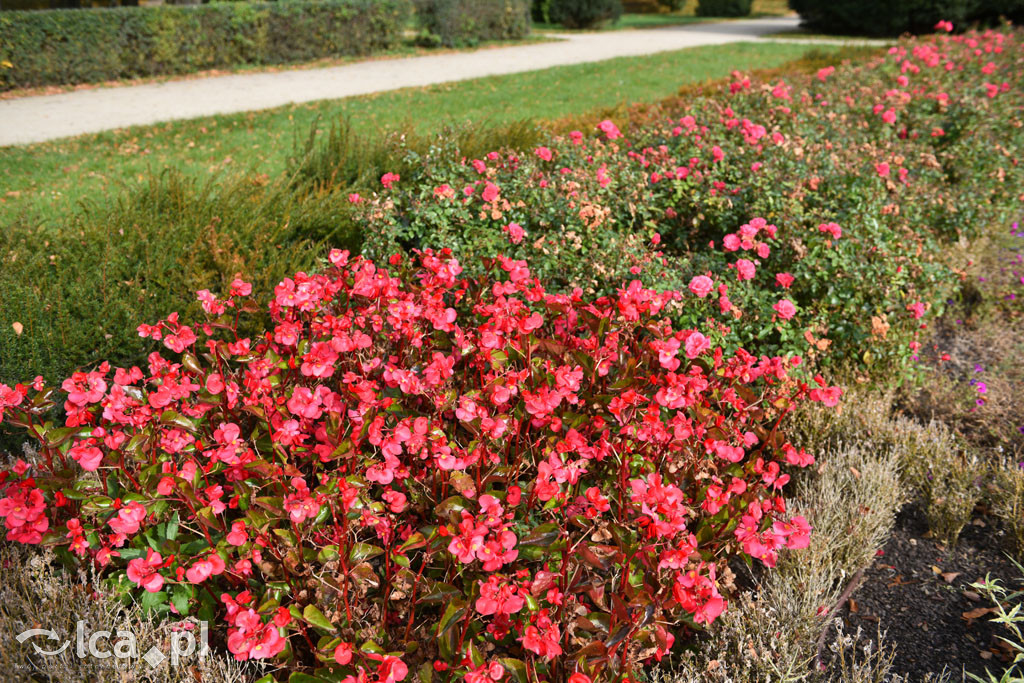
[(392, 669), (212, 565), (144, 571), (543, 152), (745, 269), (491, 192), (828, 396), (785, 309), (128, 519), (252, 639), (181, 339), (238, 534), (882, 168), (343, 653), (609, 129), (784, 280), (396, 501), (918, 308), (87, 455), (304, 404), (389, 179), (515, 232), (701, 285), (832, 229), (696, 344)]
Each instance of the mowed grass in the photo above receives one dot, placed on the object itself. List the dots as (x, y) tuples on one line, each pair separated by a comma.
[(48, 182)]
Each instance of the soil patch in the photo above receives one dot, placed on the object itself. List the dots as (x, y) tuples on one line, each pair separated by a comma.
[(918, 592)]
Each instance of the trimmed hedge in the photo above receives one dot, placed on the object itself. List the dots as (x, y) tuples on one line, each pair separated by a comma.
[(52, 47), (584, 13), (456, 23), (892, 17), (724, 8)]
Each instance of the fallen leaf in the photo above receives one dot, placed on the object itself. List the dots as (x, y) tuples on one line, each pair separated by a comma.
[(18, 328), (853, 606), (856, 472), (978, 613), (972, 596), (949, 576)]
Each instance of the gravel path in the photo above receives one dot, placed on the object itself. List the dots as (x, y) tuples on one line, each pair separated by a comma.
[(49, 117)]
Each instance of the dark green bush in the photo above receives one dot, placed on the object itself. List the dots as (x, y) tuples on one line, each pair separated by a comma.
[(52, 47), (723, 8), (458, 23), (992, 10), (584, 13), (892, 17), (540, 11)]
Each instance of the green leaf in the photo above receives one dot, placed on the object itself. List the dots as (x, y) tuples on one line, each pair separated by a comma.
[(542, 535), (153, 601), (299, 677), (517, 668), (178, 420), (181, 596), (315, 617), (172, 528), (456, 610), (361, 552)]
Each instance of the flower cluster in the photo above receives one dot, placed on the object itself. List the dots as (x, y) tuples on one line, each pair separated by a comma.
[(466, 464)]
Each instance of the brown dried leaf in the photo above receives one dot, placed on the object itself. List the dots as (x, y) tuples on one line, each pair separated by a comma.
[(978, 613)]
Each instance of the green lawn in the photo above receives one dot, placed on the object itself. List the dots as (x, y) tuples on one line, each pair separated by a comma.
[(44, 182)]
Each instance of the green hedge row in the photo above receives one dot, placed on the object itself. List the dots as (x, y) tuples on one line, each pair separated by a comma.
[(51, 47), (724, 8), (892, 17), (457, 23)]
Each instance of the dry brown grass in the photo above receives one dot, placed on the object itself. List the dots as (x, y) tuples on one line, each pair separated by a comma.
[(35, 594)]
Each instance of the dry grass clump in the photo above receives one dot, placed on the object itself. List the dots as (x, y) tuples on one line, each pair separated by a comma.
[(1007, 496), (35, 594), (978, 389), (935, 462)]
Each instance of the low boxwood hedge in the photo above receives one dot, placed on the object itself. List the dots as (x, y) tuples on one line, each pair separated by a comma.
[(457, 23), (53, 47)]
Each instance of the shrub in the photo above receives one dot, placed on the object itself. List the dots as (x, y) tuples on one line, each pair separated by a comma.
[(884, 18), (652, 6), (694, 190), (540, 11), (408, 470), (52, 47), (724, 8), (584, 13), (467, 22)]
